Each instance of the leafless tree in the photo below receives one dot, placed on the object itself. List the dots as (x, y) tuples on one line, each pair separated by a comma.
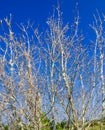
[(98, 27), (52, 72), (19, 76)]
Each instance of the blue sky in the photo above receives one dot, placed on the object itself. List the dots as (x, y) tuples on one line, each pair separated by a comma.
[(39, 10)]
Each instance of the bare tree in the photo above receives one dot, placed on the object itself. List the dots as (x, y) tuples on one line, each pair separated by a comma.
[(98, 27), (52, 72), (19, 77)]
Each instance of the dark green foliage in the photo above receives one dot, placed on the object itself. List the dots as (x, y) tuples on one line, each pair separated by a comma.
[(5, 127), (103, 119), (46, 124), (61, 125)]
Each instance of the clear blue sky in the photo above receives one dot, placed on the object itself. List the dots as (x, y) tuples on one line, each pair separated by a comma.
[(39, 10)]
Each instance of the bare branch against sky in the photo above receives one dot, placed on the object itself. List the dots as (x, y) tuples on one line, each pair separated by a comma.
[(52, 70)]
